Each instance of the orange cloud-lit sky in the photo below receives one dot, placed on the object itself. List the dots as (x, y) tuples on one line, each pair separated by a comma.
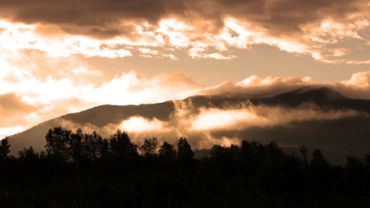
[(58, 57)]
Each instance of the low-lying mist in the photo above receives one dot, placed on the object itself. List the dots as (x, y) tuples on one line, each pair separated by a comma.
[(200, 125)]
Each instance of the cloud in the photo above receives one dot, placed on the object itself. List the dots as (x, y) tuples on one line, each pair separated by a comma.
[(215, 119), (359, 80), (14, 113), (96, 17), (247, 115), (210, 121), (31, 100), (255, 86), (13, 103), (18, 37), (357, 86), (132, 88), (14, 110), (4, 132), (325, 30), (139, 124), (200, 125)]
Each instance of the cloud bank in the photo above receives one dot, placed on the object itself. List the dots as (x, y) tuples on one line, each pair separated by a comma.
[(97, 17), (331, 31)]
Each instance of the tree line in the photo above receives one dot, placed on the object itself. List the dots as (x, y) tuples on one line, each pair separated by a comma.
[(64, 145), (80, 169)]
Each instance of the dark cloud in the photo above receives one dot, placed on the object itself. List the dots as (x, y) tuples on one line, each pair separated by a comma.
[(104, 18), (95, 17), (91, 12), (286, 16), (290, 14)]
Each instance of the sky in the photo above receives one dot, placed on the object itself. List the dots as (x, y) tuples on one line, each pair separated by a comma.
[(58, 57)]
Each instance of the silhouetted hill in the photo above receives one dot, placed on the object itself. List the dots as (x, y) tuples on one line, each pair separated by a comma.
[(354, 132), (321, 96), (98, 116), (105, 114)]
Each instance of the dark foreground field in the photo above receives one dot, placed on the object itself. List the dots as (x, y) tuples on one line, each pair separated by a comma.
[(84, 170)]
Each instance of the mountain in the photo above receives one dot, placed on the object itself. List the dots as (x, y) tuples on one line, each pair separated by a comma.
[(321, 96), (336, 137), (98, 116)]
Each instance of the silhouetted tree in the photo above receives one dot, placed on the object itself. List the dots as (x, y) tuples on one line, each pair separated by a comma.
[(366, 159), (28, 154), (251, 155), (87, 146), (184, 151), (318, 160), (167, 152), (104, 149), (354, 166), (90, 145), (76, 146), (319, 168), (304, 152), (273, 150), (4, 148), (253, 175), (57, 143), (246, 150), (217, 151), (122, 147), (149, 147), (228, 153)]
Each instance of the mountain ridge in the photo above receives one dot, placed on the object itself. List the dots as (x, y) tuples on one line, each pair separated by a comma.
[(103, 115)]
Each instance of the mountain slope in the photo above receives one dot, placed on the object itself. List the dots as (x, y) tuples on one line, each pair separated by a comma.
[(105, 114), (348, 133)]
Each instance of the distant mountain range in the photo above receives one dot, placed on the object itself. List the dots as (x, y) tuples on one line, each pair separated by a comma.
[(336, 137)]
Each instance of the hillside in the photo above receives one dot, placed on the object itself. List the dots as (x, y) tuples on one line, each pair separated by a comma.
[(337, 137)]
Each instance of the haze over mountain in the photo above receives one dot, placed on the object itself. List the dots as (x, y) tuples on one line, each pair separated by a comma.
[(312, 116)]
